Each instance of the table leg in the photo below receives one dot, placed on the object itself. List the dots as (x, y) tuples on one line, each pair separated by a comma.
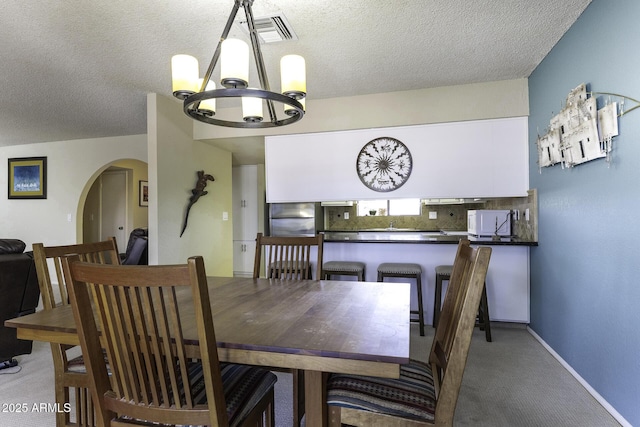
[(315, 404)]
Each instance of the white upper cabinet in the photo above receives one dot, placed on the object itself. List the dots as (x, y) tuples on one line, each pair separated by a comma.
[(248, 201), (483, 158), (248, 215)]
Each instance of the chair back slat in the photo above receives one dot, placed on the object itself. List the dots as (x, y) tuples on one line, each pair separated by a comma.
[(146, 350), (133, 362), (288, 258), (143, 332), (452, 338), (62, 287), (105, 252)]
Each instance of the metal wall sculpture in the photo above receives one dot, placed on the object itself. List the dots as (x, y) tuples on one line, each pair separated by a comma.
[(196, 193), (581, 132)]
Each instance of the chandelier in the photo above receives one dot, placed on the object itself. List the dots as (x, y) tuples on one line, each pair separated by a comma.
[(200, 95)]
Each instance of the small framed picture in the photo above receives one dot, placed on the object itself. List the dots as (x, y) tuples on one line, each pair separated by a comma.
[(27, 178), (144, 193)]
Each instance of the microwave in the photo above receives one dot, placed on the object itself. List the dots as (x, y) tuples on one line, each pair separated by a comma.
[(489, 222)]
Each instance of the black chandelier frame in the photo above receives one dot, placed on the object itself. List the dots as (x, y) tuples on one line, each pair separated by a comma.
[(238, 89)]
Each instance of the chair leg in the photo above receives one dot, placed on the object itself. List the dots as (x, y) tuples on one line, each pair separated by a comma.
[(334, 416), (437, 300), (270, 414), (420, 306), (62, 396), (298, 396), (484, 312)]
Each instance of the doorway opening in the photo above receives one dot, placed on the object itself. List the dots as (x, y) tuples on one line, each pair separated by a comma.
[(111, 203)]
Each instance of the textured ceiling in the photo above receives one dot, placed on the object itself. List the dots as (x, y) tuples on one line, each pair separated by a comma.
[(81, 69)]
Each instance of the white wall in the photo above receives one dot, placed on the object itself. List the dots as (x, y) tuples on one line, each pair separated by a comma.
[(174, 159), (490, 100), (71, 166)]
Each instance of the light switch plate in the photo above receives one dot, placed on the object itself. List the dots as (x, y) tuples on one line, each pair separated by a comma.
[(346, 215), (225, 216), (433, 215)]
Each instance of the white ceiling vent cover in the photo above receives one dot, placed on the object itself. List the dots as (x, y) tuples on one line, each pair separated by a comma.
[(271, 29)]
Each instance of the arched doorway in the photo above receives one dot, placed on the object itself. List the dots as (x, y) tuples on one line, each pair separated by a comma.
[(110, 204)]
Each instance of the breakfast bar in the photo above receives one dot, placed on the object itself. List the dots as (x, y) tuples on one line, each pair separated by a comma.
[(507, 279)]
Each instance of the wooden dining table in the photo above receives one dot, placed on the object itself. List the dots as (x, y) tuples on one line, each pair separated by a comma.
[(319, 326)]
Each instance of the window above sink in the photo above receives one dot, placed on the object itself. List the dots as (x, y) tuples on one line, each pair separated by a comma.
[(393, 207)]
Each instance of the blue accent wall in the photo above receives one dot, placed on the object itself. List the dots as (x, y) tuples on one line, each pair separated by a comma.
[(585, 273)]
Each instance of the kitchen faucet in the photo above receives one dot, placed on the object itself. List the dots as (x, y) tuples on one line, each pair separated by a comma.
[(391, 225)]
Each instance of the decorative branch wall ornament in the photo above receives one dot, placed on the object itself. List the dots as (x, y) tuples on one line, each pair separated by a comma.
[(196, 193), (581, 132)]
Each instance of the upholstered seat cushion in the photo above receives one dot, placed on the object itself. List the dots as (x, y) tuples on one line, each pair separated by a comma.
[(399, 268), (340, 266), (244, 386), (411, 396), (444, 270)]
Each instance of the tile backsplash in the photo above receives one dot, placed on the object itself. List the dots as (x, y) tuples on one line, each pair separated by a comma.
[(526, 230), (448, 217)]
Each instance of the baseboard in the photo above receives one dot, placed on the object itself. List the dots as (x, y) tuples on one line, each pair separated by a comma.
[(615, 414)]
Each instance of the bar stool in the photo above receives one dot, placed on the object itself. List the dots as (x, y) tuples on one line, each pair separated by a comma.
[(411, 271), (343, 268), (443, 272)]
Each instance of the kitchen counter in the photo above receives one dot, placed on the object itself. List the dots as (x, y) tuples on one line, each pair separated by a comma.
[(418, 236), (507, 278)]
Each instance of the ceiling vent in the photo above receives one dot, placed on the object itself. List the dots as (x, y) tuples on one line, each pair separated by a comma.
[(271, 29)]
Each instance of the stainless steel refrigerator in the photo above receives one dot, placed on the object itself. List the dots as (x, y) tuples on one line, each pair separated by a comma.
[(295, 219)]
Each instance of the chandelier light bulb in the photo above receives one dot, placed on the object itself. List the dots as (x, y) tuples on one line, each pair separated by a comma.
[(234, 64), (252, 109), (207, 106), (184, 72), (293, 76)]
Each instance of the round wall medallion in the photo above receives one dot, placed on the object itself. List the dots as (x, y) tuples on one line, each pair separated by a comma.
[(384, 164)]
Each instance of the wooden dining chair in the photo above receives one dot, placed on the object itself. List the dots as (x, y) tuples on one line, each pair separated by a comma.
[(151, 318), (289, 258), (426, 393), (69, 372)]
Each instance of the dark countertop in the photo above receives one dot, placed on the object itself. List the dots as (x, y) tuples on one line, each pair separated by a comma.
[(417, 236)]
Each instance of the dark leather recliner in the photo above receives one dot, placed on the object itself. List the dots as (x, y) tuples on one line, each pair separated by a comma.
[(19, 294), (137, 252)]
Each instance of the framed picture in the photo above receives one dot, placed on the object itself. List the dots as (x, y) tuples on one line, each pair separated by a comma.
[(143, 193), (27, 178)]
